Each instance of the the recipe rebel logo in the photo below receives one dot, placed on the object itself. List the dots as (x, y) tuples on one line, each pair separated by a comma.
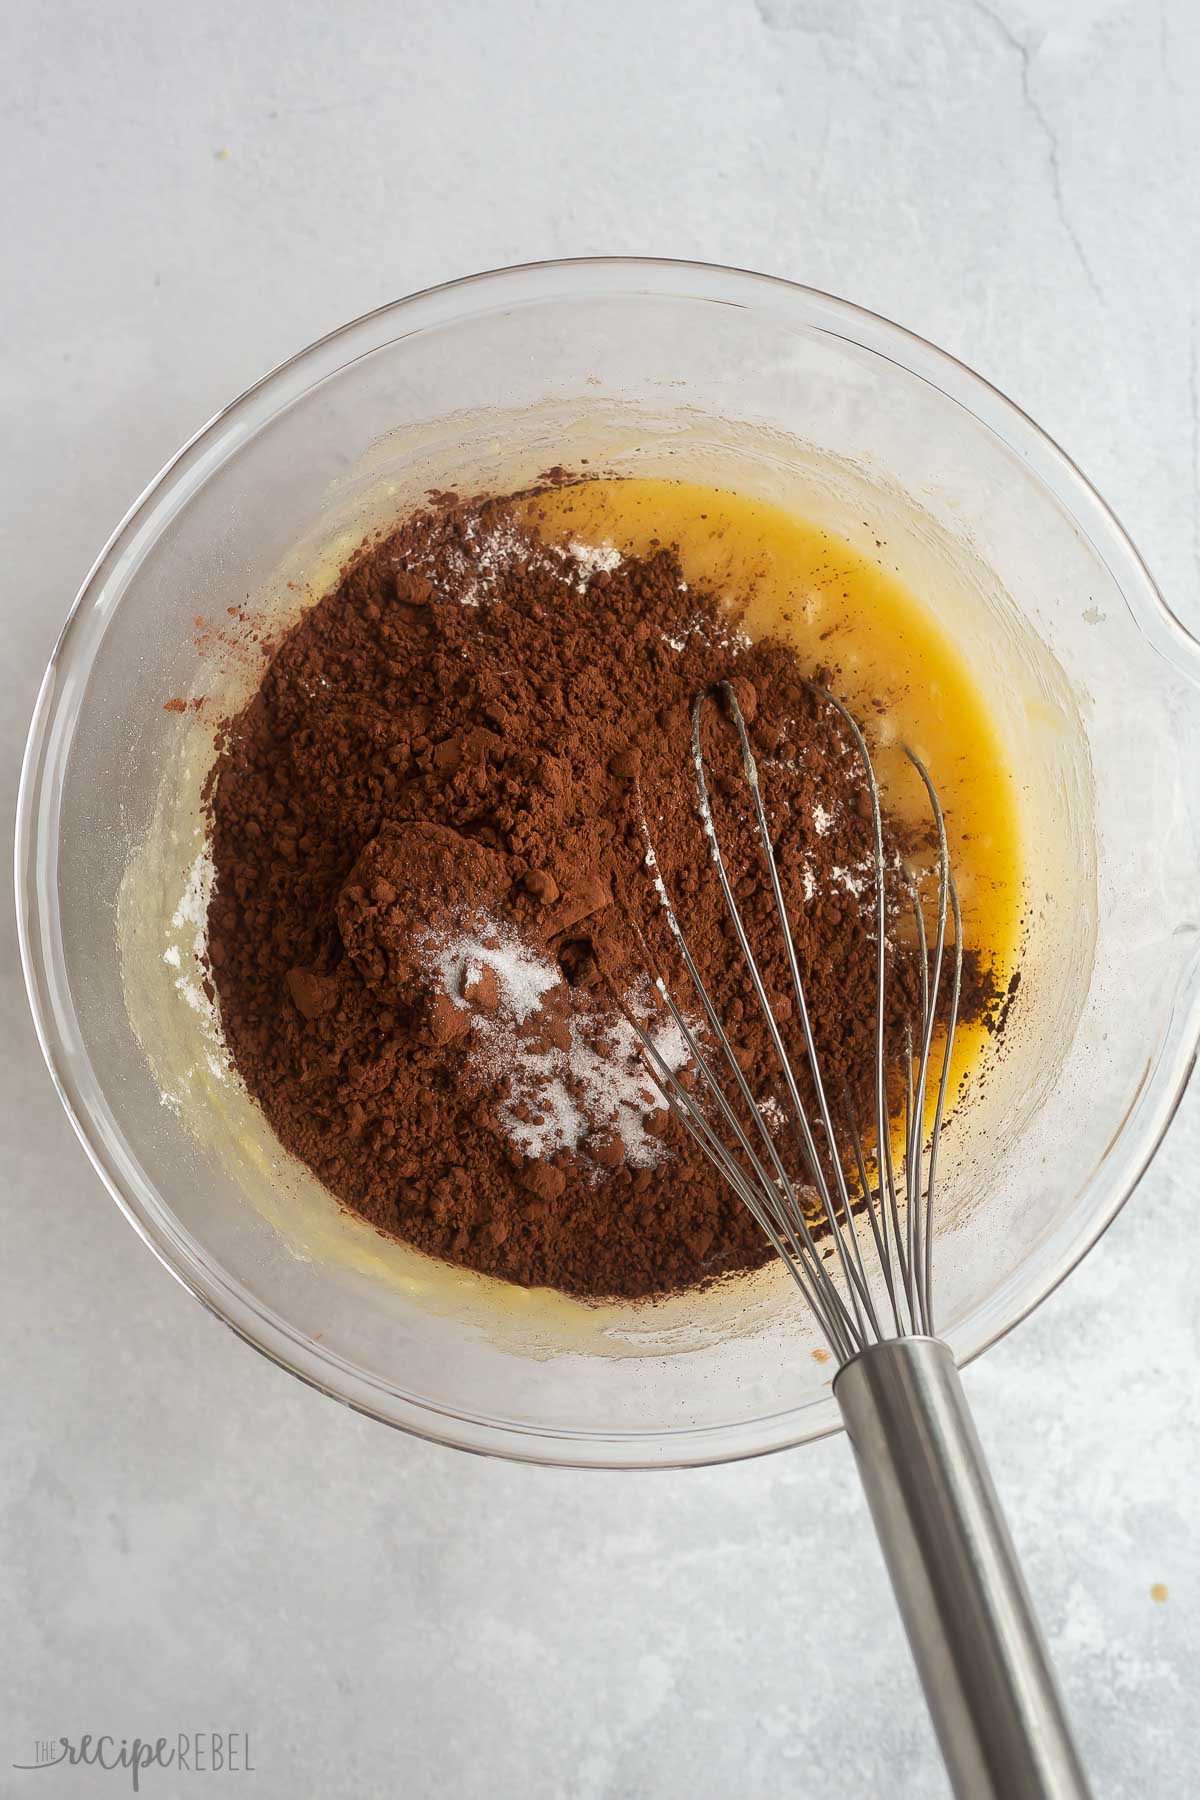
[(188, 1752)]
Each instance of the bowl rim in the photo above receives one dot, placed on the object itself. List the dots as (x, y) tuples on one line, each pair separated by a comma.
[(219, 1291)]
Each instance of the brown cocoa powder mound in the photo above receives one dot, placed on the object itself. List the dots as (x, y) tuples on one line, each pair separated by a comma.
[(471, 734)]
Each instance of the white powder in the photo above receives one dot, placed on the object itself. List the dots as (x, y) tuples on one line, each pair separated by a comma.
[(489, 551), (618, 1091), (193, 903), (194, 994), (651, 863), (822, 820), (476, 572), (579, 561), (498, 550), (190, 920), (595, 559), (557, 1098), (711, 633), (774, 1116), (521, 975)]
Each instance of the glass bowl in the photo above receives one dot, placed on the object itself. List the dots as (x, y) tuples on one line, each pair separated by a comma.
[(656, 368)]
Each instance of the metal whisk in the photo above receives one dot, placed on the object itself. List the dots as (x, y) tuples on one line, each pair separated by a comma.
[(813, 1189)]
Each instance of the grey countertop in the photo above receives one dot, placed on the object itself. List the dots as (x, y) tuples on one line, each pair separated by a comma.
[(193, 1541)]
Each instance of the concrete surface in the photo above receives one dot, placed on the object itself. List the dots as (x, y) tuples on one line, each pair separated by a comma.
[(191, 1540)]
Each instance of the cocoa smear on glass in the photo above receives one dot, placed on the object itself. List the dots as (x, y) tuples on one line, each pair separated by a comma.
[(432, 898)]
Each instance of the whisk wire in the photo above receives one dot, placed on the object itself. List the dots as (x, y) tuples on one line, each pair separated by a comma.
[(789, 1251), (897, 1209), (782, 1184), (683, 1101), (750, 769), (878, 1231), (921, 1224), (890, 1215), (857, 1272), (912, 1140), (940, 1109), (830, 1310)]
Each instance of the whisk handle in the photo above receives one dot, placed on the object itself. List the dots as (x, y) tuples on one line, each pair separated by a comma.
[(974, 1637)]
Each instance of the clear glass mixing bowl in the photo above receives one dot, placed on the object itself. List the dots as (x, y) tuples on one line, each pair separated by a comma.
[(653, 367)]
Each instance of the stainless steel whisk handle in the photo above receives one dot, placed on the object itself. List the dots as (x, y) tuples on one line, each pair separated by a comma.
[(975, 1640)]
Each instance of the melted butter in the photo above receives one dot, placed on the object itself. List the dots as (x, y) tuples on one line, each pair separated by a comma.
[(891, 663)]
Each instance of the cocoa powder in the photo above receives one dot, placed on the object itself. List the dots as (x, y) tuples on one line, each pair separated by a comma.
[(432, 909)]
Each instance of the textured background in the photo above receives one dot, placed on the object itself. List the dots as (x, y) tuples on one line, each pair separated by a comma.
[(190, 1539)]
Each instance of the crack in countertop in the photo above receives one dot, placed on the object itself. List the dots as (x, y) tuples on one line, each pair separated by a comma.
[(1038, 113)]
